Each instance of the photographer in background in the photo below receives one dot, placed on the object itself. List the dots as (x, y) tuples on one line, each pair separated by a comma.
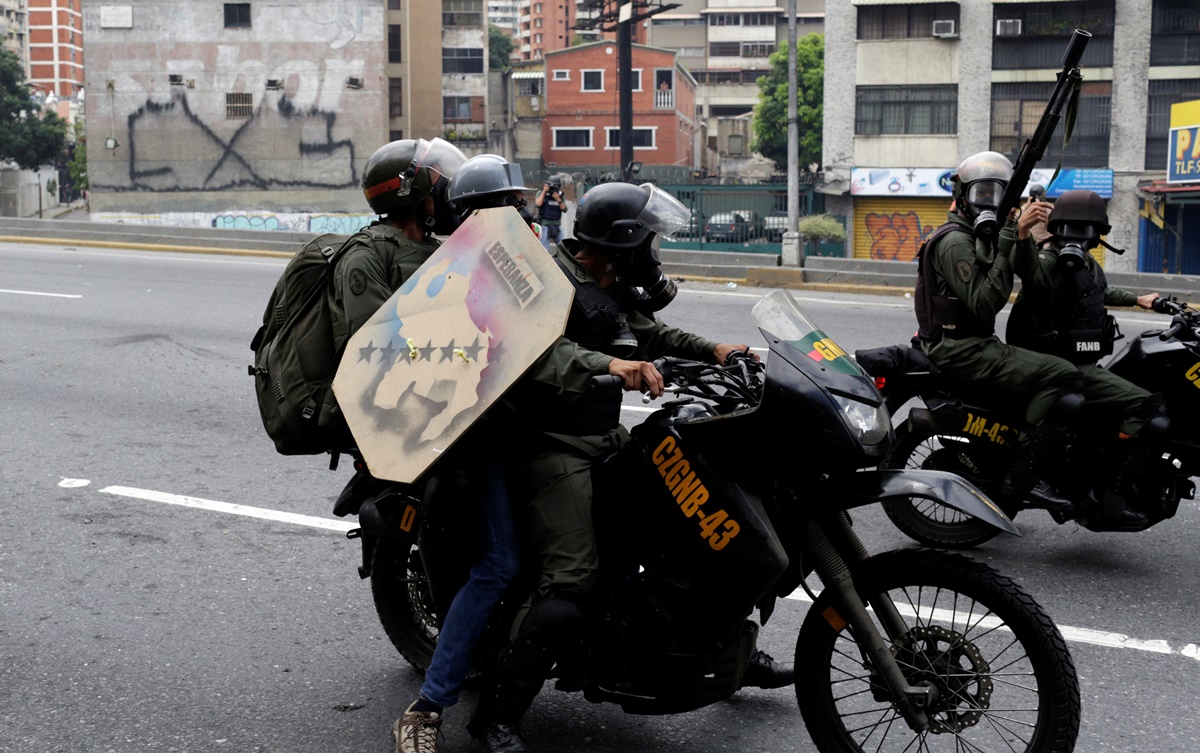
[(551, 206)]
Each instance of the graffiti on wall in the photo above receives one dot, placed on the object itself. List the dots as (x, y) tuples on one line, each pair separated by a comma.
[(225, 120), (895, 236)]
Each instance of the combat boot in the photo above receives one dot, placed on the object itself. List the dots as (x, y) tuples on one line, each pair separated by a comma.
[(764, 672), (1024, 481)]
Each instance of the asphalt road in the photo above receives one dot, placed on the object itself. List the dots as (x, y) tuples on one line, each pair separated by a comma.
[(131, 624)]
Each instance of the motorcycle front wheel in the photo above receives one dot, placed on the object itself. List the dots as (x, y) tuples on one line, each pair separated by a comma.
[(1004, 679), (403, 601), (925, 521)]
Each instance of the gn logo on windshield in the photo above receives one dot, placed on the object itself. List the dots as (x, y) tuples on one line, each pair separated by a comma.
[(690, 494), (978, 426)]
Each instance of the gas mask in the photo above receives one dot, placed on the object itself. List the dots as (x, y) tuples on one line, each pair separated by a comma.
[(1074, 242), (983, 198), (642, 271), (444, 220)]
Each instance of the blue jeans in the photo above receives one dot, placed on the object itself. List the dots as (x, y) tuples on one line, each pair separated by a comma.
[(472, 606)]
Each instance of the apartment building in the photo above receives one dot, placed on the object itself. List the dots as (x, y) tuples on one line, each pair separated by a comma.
[(14, 29), (56, 47), (726, 46), (912, 88), (544, 26)]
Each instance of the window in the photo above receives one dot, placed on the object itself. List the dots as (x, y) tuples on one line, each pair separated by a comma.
[(1175, 33), (393, 43), (757, 49), (887, 110), (1017, 108), (1164, 93), (457, 109), (635, 77), (759, 19), (724, 49), (725, 19), (1045, 31), (393, 5), (643, 138), (462, 60), (903, 21), (395, 97), (462, 12), (529, 87), (239, 105), (593, 81), (572, 138), (237, 15), (395, 135), (562, 75)]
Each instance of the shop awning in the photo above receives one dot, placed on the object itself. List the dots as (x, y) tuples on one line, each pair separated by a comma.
[(1172, 193), (527, 74)]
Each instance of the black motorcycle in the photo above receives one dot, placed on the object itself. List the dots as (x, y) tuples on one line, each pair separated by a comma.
[(970, 431), (728, 497)]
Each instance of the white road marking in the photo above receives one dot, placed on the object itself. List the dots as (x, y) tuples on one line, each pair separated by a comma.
[(1074, 634), (251, 512), (34, 292), (73, 483)]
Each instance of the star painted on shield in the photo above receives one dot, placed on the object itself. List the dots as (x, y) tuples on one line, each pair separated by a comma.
[(364, 354), (427, 351), (386, 355), (496, 351), (447, 352), (472, 350)]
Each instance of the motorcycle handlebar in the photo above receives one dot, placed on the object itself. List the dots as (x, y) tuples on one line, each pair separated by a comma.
[(610, 381)]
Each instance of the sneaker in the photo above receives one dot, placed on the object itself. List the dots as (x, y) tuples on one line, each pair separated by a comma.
[(497, 738), (417, 731), (765, 672)]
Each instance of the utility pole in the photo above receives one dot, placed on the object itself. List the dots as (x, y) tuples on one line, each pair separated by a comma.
[(792, 253), (620, 16)]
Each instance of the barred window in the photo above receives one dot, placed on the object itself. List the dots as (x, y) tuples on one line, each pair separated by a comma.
[(1043, 32), (462, 60), (725, 19), (757, 49), (1164, 93), (239, 105), (529, 87), (1175, 33), (1017, 108), (462, 12), (902, 21), (886, 110), (393, 44), (724, 49), (456, 109)]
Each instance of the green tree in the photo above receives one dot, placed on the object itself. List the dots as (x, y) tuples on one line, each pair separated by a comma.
[(28, 136), (77, 167), (770, 114), (500, 47)]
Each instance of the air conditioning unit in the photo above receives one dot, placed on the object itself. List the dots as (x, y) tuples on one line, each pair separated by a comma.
[(946, 28), (1008, 27)]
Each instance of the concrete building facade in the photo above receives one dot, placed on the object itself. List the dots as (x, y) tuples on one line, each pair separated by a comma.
[(912, 88), (14, 29)]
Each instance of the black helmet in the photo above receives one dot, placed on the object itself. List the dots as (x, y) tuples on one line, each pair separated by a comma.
[(487, 180), (399, 173), (621, 215), (1037, 191), (1080, 209)]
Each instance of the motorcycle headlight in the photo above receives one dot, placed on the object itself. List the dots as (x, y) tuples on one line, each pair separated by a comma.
[(870, 424)]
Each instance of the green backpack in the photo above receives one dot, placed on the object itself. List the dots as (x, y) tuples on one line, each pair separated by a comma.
[(296, 354)]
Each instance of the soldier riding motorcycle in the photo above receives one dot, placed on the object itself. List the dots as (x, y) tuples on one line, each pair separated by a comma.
[(1109, 482), (703, 518)]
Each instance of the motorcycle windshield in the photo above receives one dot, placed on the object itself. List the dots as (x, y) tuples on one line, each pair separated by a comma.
[(795, 337)]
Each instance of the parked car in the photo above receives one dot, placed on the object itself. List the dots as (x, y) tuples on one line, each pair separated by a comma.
[(754, 221), (775, 225), (689, 232), (727, 227)]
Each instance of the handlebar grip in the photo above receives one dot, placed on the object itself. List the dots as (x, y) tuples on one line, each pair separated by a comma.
[(1175, 329), (606, 382)]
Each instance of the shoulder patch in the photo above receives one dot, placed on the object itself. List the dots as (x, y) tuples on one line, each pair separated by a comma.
[(963, 267), (358, 281)]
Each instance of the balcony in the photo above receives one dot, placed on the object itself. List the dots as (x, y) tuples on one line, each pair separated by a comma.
[(664, 99)]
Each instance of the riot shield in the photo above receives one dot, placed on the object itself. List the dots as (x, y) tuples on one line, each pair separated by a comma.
[(450, 342)]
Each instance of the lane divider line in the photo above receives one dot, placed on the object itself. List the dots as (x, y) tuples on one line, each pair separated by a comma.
[(34, 292), (1073, 634)]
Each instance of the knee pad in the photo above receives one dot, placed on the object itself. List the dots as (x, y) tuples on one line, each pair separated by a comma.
[(1156, 423), (1067, 407), (555, 622)]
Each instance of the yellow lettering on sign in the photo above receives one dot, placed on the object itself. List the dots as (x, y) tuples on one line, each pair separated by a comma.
[(690, 493), (1182, 143), (1193, 375)]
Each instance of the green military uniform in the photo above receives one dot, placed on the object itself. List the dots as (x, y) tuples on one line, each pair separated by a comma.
[(550, 480), (1042, 298), (966, 269), (370, 271)]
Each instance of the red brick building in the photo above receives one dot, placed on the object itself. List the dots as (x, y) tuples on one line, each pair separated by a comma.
[(56, 46), (582, 120)]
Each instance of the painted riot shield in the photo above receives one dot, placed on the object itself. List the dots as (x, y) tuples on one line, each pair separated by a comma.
[(450, 342)]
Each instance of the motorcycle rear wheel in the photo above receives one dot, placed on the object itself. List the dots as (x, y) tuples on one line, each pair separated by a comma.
[(1005, 678), (928, 522), (403, 602)]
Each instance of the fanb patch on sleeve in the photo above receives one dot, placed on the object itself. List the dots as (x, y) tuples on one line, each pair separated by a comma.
[(962, 266), (358, 281)]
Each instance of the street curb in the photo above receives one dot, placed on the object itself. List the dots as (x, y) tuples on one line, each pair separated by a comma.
[(146, 246)]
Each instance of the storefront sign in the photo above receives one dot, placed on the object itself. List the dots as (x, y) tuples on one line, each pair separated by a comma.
[(1099, 181), (901, 181), (1183, 158)]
